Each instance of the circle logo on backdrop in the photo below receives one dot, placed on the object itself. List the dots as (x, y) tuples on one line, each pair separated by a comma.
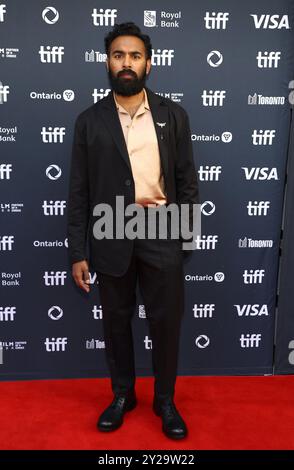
[(219, 277), (53, 172), (214, 58), (50, 15), (227, 137), (207, 208), (68, 95), (55, 312), (202, 341)]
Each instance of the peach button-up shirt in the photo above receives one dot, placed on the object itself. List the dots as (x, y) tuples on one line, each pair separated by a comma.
[(142, 145)]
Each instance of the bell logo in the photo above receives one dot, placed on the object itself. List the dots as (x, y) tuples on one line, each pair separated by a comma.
[(202, 341)]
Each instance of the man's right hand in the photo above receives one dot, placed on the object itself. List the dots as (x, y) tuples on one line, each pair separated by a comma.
[(80, 272)]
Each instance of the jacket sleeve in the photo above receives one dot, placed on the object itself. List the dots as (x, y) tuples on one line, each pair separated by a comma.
[(78, 195), (186, 176)]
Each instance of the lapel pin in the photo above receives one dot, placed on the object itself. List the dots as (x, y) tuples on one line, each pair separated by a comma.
[(161, 124)]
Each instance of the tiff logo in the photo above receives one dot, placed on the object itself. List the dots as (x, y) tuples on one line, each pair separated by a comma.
[(4, 92), (250, 340), (162, 57), (209, 173), (265, 137), (148, 342), (104, 17), (55, 344), (5, 170), (97, 312), (203, 310), (53, 135), (206, 242), (6, 242), (52, 54), (54, 278), (98, 95), (215, 20), (213, 98), (7, 313), (268, 59), (258, 208), (252, 276), (2, 12), (54, 207)]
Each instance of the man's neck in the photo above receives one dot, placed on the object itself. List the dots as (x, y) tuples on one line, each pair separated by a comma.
[(130, 101)]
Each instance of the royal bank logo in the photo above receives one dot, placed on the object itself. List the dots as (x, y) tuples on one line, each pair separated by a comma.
[(141, 311), (50, 15), (149, 18), (167, 19), (7, 134), (215, 58)]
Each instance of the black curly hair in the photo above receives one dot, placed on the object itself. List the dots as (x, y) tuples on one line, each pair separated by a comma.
[(127, 29)]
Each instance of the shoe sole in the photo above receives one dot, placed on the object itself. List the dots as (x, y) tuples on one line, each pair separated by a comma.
[(129, 408)]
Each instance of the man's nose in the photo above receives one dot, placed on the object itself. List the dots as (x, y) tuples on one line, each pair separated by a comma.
[(127, 62)]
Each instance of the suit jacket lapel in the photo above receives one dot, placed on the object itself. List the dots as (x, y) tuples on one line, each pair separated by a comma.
[(159, 113)]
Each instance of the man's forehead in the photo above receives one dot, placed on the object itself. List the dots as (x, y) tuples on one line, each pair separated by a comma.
[(128, 43)]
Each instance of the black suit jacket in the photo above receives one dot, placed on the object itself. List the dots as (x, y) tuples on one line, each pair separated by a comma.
[(101, 170)]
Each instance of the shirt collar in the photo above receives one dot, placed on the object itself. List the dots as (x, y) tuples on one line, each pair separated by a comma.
[(122, 110)]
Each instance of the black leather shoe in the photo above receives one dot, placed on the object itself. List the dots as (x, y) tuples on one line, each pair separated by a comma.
[(112, 417), (173, 424)]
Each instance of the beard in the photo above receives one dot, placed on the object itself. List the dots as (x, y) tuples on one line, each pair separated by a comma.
[(127, 86)]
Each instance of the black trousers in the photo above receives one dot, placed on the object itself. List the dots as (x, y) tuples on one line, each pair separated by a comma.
[(157, 266)]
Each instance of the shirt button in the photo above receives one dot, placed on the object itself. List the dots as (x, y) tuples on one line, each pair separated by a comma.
[(127, 182)]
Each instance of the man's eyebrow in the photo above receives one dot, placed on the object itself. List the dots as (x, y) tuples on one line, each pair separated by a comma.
[(122, 52)]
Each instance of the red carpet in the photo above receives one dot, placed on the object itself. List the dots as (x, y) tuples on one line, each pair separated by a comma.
[(221, 413)]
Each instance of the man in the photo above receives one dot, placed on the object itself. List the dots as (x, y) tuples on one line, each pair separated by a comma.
[(136, 145)]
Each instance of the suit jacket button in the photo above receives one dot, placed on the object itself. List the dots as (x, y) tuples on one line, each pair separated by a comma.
[(127, 182)]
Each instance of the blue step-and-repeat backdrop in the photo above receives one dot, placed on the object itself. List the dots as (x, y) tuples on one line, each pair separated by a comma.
[(229, 64)]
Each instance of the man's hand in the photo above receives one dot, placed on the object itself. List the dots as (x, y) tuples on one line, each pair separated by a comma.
[(80, 272)]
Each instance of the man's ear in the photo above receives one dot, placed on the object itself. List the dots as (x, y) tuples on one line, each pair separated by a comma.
[(148, 67)]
